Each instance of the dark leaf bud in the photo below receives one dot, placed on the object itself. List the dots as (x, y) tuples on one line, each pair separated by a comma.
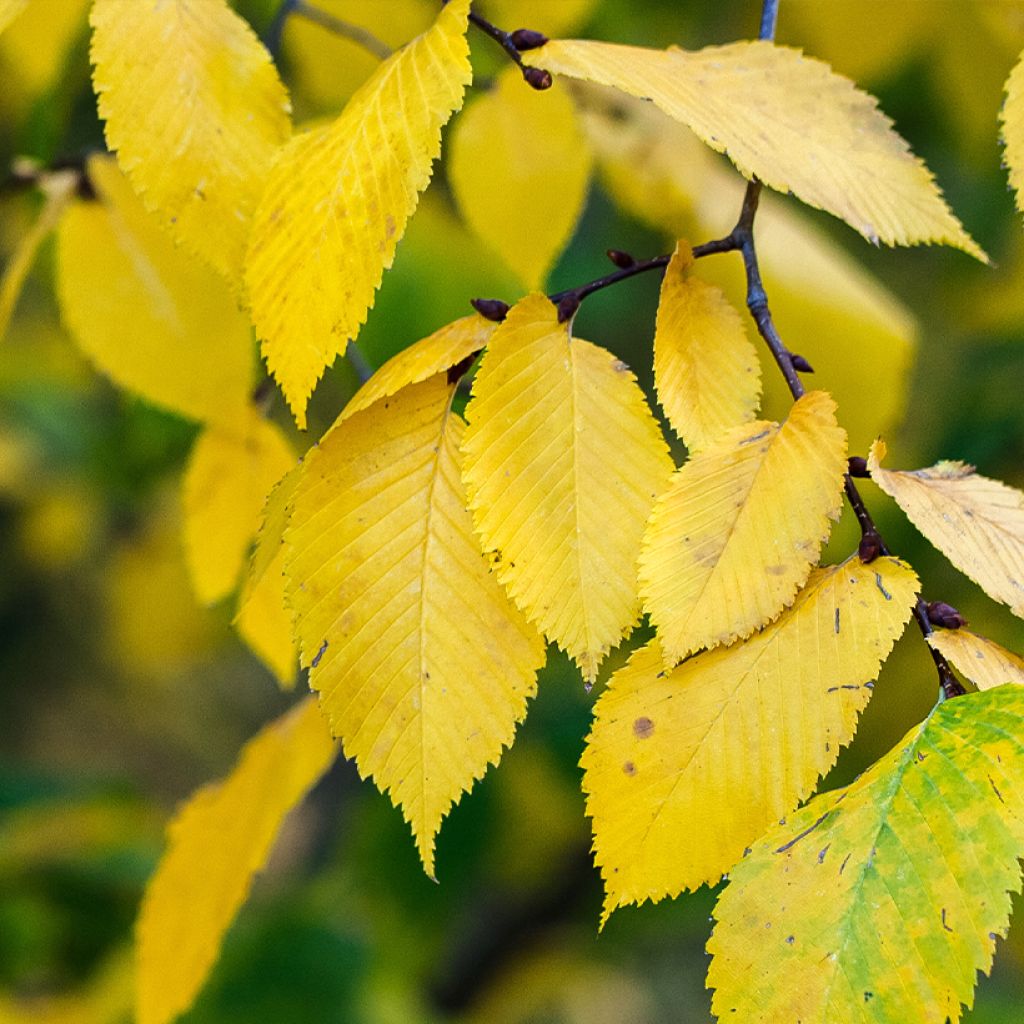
[(857, 466), (621, 259), (800, 364), (527, 39), (945, 615), (870, 547), (490, 309), (538, 78)]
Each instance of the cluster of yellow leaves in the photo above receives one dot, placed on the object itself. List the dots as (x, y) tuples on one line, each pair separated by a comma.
[(421, 561)]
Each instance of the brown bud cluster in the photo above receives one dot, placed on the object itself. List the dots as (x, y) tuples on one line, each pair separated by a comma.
[(944, 615)]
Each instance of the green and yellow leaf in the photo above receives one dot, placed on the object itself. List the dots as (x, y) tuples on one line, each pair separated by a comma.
[(338, 200), (880, 902), (145, 313), (434, 354), (423, 665), (1012, 120), (563, 463), (216, 844), (226, 484), (984, 662), (58, 188), (734, 738), (734, 537), (660, 172), (706, 370), (196, 112), (787, 120), (519, 167), (976, 522), (263, 618)]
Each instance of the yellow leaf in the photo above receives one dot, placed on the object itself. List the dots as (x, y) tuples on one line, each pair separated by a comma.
[(9, 10), (337, 203), (977, 523), (705, 368), (36, 47), (216, 844), (263, 618), (552, 18), (982, 661), (148, 316), (519, 167), (736, 534), (434, 354), (326, 67), (58, 188), (195, 110), (563, 463), (423, 665), (226, 483), (264, 622), (734, 738), (879, 903), (1012, 120), (659, 171), (786, 119)]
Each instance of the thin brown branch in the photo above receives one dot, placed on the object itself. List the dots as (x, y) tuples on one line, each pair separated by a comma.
[(346, 29), (537, 78)]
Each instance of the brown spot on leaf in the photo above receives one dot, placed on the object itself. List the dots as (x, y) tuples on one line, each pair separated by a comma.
[(643, 728), (629, 768)]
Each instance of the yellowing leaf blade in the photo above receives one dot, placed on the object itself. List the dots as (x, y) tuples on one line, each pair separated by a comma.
[(337, 203), (563, 463), (423, 665), (9, 10), (147, 315), (879, 902), (216, 844), (786, 119), (1012, 120), (445, 348), (195, 110), (984, 662), (736, 533), (225, 486), (976, 522), (519, 167), (735, 737), (263, 618), (705, 368), (264, 622)]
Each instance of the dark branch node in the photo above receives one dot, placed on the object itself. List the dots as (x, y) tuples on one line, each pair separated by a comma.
[(800, 364), (621, 259), (537, 78), (857, 466)]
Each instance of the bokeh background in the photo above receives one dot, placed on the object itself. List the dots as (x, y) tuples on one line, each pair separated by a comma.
[(119, 694)]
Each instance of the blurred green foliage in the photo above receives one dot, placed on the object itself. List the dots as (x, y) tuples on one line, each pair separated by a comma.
[(119, 696)]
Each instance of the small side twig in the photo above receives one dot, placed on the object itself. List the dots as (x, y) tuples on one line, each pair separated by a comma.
[(538, 78), (354, 33)]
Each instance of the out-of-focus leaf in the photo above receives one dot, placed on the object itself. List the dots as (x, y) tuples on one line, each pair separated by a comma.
[(520, 167), (152, 318), (216, 844), (228, 478)]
